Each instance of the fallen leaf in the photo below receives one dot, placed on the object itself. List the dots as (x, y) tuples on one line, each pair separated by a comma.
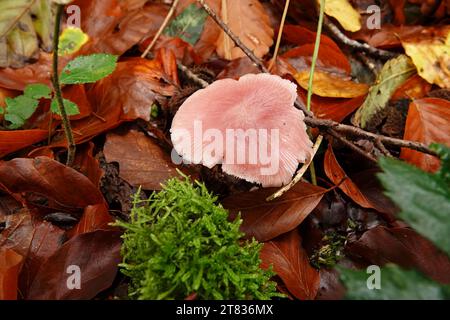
[(257, 34), (432, 58), (428, 121), (95, 217), (394, 73), (264, 220), (10, 263), (87, 164), (14, 140), (413, 88), (404, 247), (342, 11), (291, 263), (300, 35), (141, 160), (63, 187), (328, 85), (97, 254), (337, 175)]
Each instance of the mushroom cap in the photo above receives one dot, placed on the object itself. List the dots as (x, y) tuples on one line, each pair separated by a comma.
[(257, 108)]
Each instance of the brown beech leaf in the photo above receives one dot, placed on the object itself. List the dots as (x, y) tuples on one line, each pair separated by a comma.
[(18, 232), (10, 263), (328, 85), (413, 88), (87, 164), (46, 239), (11, 141), (141, 160), (336, 174), (404, 247), (115, 26), (300, 35), (266, 220), (428, 121), (62, 186), (97, 254), (250, 22), (291, 263), (95, 217)]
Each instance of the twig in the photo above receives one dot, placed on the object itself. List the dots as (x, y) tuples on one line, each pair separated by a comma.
[(280, 33), (339, 35), (382, 148), (192, 76), (299, 174), (161, 28), (351, 145), (331, 127), (71, 149)]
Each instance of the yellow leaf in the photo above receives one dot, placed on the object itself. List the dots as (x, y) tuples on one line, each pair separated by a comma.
[(342, 11), (71, 40), (328, 85), (432, 59)]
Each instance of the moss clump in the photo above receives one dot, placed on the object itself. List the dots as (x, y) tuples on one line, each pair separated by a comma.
[(180, 242)]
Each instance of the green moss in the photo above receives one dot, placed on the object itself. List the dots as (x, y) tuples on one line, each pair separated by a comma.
[(180, 241)]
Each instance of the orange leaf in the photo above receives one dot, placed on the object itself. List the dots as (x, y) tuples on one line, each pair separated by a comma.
[(10, 263), (291, 263), (11, 141), (337, 175), (428, 121)]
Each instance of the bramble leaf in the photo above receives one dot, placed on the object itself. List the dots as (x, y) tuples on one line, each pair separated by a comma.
[(88, 69), (38, 91), (71, 107), (19, 110)]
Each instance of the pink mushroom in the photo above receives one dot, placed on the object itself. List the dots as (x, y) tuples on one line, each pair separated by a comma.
[(250, 126)]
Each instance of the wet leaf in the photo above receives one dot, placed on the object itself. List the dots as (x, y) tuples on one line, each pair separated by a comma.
[(10, 263), (291, 263), (336, 174), (428, 121), (97, 255), (394, 73), (266, 220), (142, 162), (328, 85)]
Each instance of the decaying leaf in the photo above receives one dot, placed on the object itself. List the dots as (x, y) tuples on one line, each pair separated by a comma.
[(343, 12), (250, 22), (141, 161), (328, 85), (291, 263), (432, 58), (266, 220), (428, 121), (10, 263), (394, 73)]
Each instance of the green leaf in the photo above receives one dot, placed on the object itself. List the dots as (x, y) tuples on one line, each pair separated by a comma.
[(71, 107), (88, 69), (394, 73), (396, 284), (444, 153), (19, 110), (424, 199), (188, 25), (71, 40), (37, 91)]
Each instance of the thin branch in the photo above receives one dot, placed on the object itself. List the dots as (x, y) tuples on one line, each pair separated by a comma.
[(280, 34), (328, 126), (161, 28), (299, 174), (351, 145), (71, 149), (339, 35)]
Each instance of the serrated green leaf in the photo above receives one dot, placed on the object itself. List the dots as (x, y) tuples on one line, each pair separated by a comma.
[(424, 199), (19, 110), (444, 153), (88, 69), (188, 25), (71, 107), (71, 40), (37, 91), (396, 284), (394, 73)]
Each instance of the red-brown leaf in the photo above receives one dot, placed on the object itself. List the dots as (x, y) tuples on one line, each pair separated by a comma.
[(428, 121), (266, 220), (10, 263), (95, 217), (11, 141), (97, 254), (291, 263)]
